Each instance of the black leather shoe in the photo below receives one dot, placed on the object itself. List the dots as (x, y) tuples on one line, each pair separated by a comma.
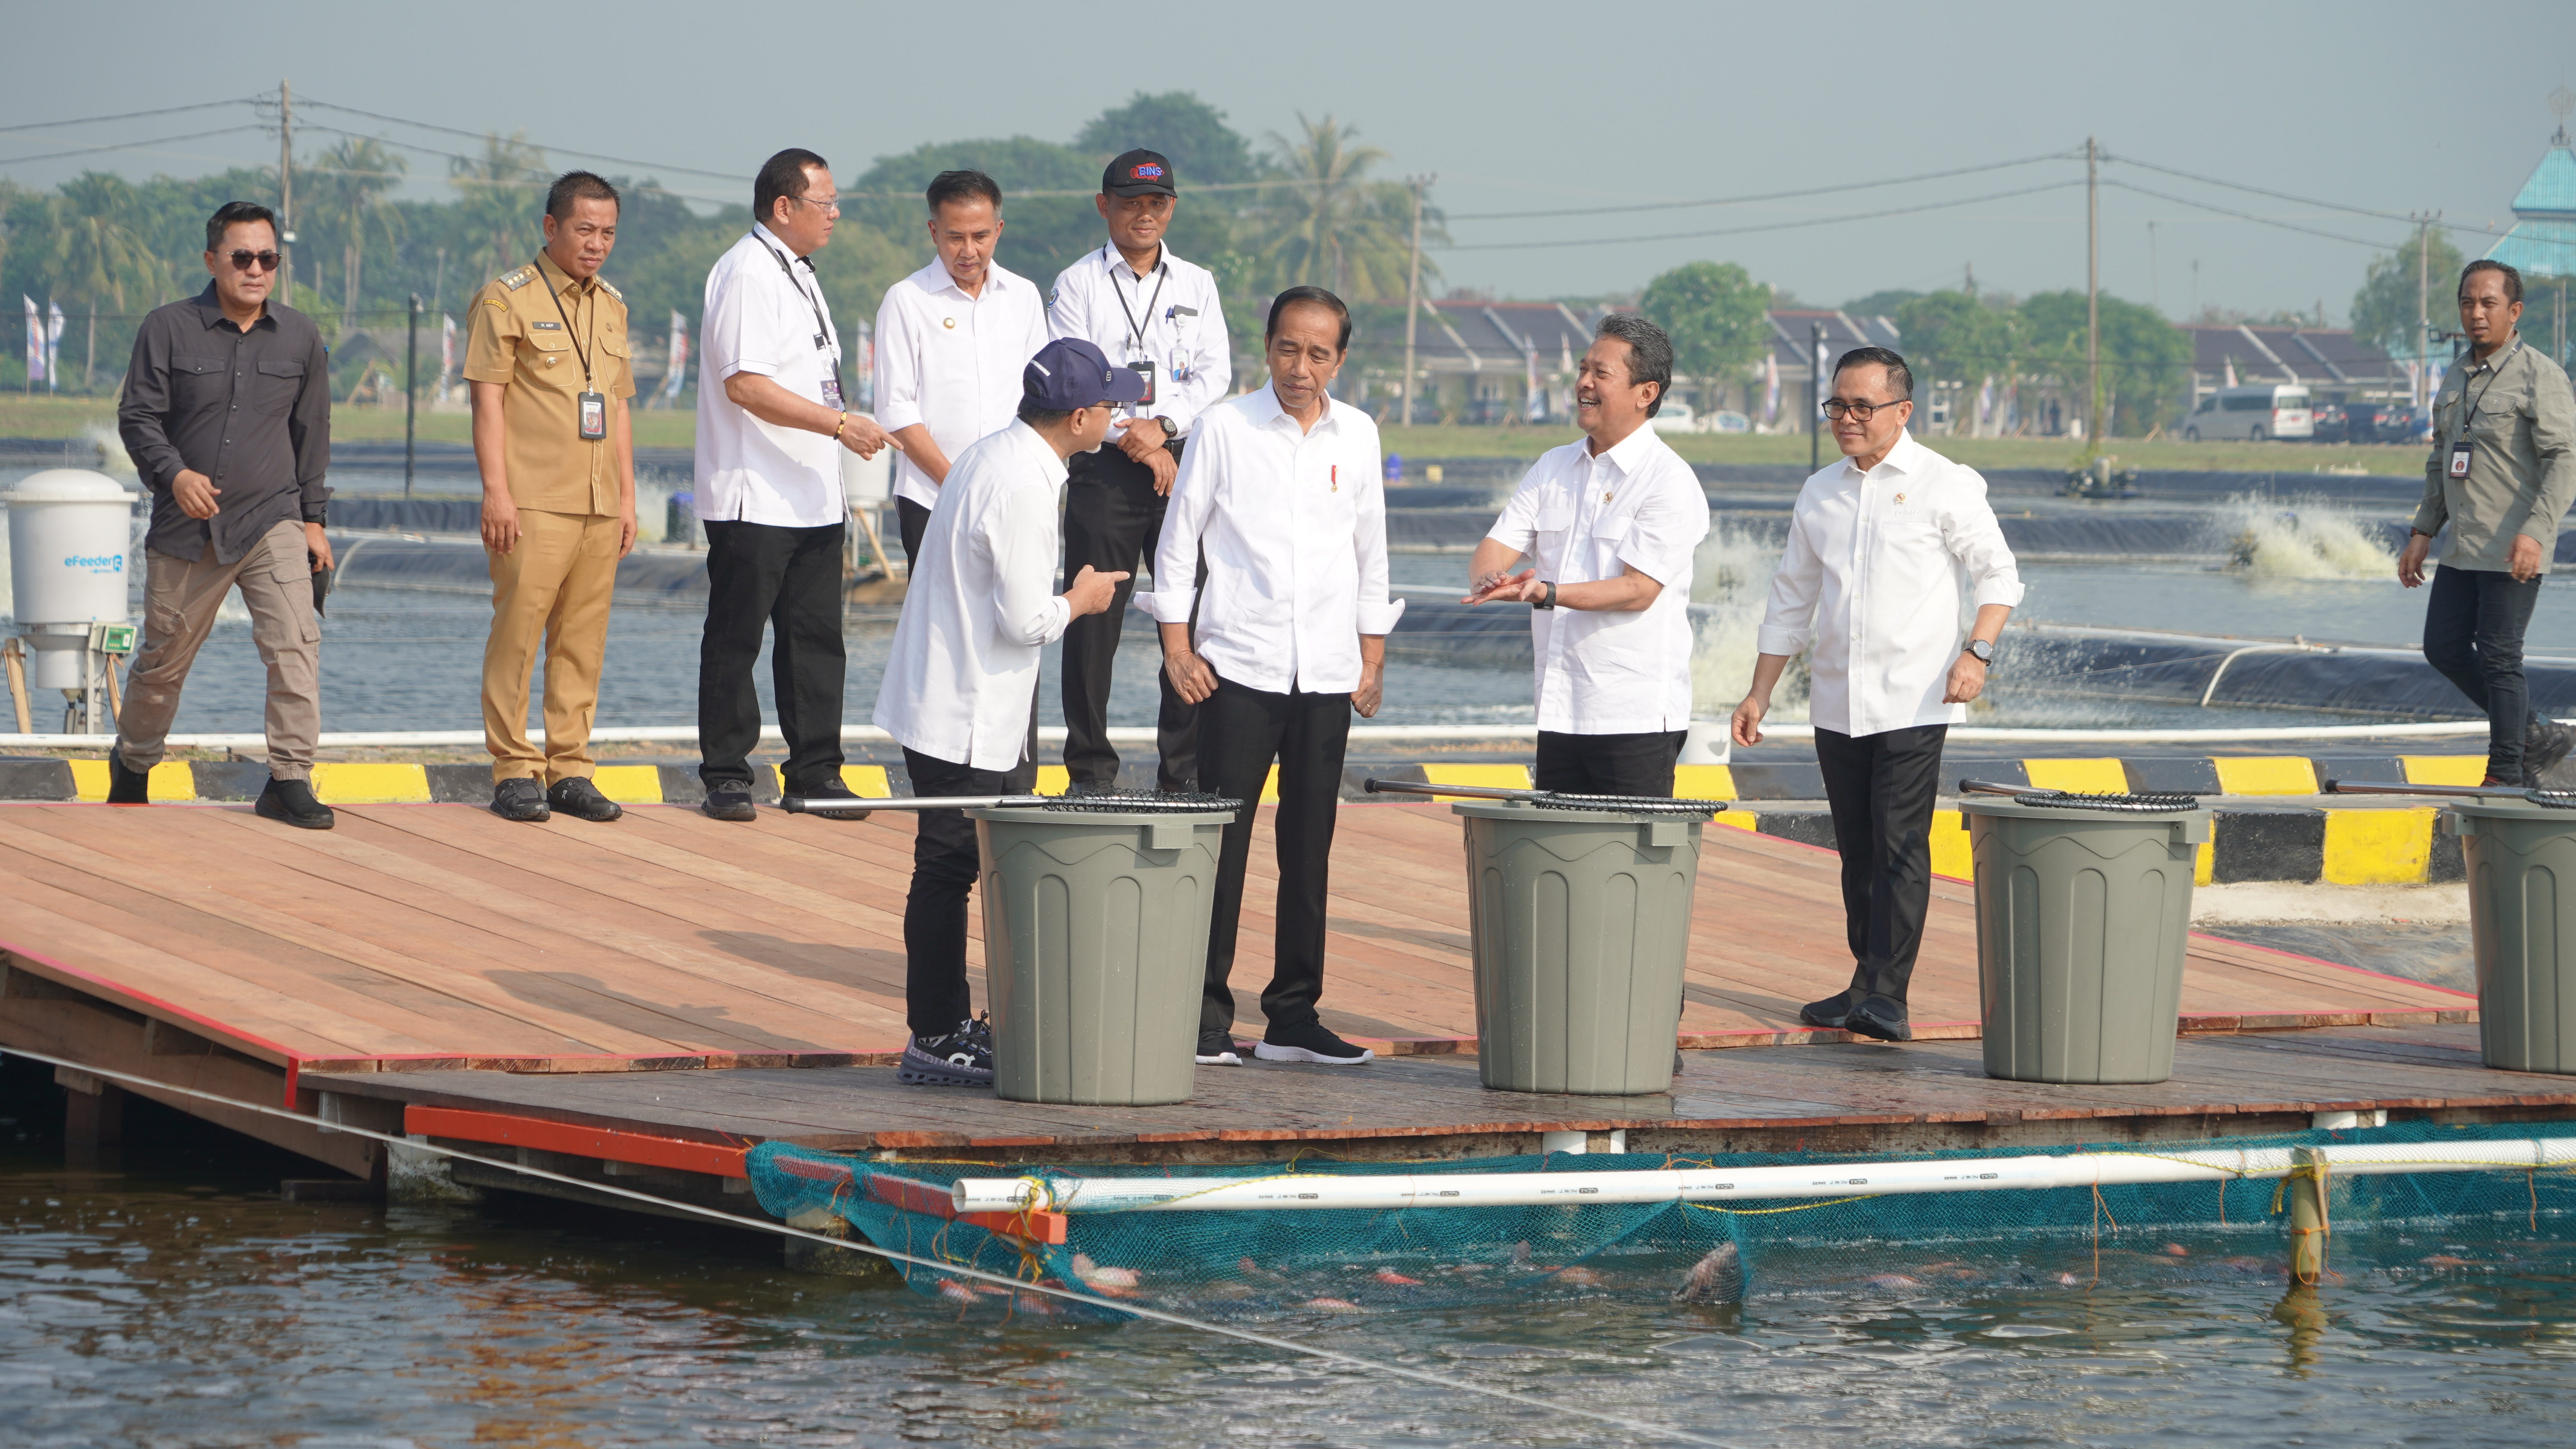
[(834, 788), (127, 787), (291, 802), (2544, 745), (730, 802), (521, 799), (1880, 1016), (1831, 1014), (580, 799)]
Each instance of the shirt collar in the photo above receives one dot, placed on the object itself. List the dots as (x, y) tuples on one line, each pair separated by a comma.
[(1630, 452), (561, 281), (2497, 358), (1905, 457), (1111, 261), (935, 280), (1270, 413), (1038, 450), (214, 309), (770, 240)]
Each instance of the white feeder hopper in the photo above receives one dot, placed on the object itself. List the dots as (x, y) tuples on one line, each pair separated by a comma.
[(69, 534)]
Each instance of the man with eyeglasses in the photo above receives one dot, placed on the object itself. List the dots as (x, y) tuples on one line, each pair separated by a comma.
[(772, 422), (1882, 547), (227, 415)]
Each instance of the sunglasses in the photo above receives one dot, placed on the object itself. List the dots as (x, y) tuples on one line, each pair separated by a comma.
[(243, 260)]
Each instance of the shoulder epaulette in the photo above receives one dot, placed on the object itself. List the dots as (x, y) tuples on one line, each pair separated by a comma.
[(520, 278), (610, 288)]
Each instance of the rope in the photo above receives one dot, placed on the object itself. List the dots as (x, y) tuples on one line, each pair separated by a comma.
[(1527, 1401)]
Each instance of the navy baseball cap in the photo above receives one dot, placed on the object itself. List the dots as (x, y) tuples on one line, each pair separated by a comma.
[(1070, 373), (1138, 173)]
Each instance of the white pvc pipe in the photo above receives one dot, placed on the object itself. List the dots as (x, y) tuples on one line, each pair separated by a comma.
[(688, 734), (1400, 1191)]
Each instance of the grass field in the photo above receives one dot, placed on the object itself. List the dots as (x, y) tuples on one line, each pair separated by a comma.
[(41, 417)]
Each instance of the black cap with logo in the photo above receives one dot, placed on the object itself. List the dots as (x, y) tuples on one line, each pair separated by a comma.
[(1138, 173)]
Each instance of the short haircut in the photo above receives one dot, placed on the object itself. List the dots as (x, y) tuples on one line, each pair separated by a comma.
[(1650, 353), (966, 185), (1900, 378), (575, 186), (2512, 278), (781, 175), (1038, 417), (235, 213), (1309, 297)]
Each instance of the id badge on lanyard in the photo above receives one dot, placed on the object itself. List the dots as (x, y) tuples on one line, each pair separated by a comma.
[(832, 393), (2460, 458), (1144, 368), (594, 417)]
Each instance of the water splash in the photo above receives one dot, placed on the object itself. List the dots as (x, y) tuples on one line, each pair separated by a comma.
[(1731, 582), (112, 459), (2304, 538)]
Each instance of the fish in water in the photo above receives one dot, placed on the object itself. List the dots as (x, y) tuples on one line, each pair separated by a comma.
[(2067, 1280), (1333, 1305), (1894, 1280), (2176, 1250), (1717, 1278), (1094, 1275), (1579, 1277), (2445, 1260), (1249, 1268), (1396, 1279), (956, 1292)]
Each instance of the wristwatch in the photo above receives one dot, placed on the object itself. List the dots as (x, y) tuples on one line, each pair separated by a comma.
[(1171, 434), (1984, 651), (1548, 602)]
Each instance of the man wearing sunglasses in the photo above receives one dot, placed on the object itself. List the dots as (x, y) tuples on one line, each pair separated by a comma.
[(227, 416), (1882, 547)]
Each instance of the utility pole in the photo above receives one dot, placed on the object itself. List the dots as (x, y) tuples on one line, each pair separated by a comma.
[(1815, 395), (1413, 295), (285, 194), (2154, 278), (2423, 309), (2092, 298), (411, 388)]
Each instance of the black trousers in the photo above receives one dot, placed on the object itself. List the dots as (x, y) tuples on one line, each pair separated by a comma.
[(2473, 627), (1639, 765), (1242, 732), (911, 521), (945, 863), (788, 580), (1880, 789), (1113, 521)]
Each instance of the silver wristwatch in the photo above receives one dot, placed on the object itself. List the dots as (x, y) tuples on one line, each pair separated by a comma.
[(1984, 651)]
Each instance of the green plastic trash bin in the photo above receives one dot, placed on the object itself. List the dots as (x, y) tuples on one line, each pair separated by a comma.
[(2521, 861), (1095, 950), (1581, 925), (2082, 920)]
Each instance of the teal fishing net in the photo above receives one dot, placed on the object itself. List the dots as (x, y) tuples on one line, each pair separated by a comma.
[(1257, 1262)]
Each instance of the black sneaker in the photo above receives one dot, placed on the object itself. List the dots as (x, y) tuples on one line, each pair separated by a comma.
[(730, 801), (579, 798), (833, 790), (1309, 1042), (521, 799), (962, 1058), (292, 802), (127, 787), (1217, 1049), (2544, 745), (1831, 1014), (1880, 1016)]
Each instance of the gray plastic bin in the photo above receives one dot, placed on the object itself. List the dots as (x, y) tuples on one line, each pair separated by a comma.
[(2082, 920), (2521, 861), (1095, 951), (1582, 922)]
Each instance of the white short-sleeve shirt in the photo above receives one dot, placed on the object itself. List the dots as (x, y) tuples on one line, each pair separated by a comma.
[(765, 314), (1171, 316), (952, 363)]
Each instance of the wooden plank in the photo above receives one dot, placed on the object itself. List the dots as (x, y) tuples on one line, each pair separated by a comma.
[(611, 1146)]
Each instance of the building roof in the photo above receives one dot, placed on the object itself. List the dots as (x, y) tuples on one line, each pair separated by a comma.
[(2542, 241), (1792, 330), (2551, 190), (2327, 356)]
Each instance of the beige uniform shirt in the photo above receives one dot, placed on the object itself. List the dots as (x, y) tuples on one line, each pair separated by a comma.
[(2519, 418), (523, 340)]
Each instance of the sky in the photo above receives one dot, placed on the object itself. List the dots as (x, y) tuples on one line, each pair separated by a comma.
[(1513, 106)]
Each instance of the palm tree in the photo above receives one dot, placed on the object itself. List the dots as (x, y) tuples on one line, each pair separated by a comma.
[(350, 184), (501, 193), (1333, 226), (97, 251)]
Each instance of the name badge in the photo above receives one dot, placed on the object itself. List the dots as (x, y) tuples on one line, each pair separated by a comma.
[(1145, 369), (2460, 458), (594, 417), (832, 394)]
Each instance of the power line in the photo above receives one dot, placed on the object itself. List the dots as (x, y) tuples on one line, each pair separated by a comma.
[(123, 145), (137, 115), (2249, 216), (566, 150), (1762, 196), (1595, 241), (2302, 200)]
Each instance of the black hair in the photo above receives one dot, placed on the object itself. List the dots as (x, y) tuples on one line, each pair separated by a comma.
[(1650, 353), (1308, 296), (575, 186), (1038, 417), (2512, 278), (234, 213), (966, 185), (781, 175), (1900, 378)]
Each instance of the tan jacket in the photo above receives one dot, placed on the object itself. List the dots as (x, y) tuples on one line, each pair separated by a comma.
[(2522, 460)]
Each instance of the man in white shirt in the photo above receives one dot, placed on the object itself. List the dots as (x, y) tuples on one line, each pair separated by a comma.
[(771, 424), (1608, 525), (960, 691), (1151, 311), (1281, 493), (1881, 547), (952, 340)]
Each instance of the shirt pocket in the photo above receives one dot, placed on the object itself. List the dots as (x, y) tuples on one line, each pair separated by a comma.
[(550, 359), (2500, 415), (200, 384), (1551, 525), (615, 363), (281, 381)]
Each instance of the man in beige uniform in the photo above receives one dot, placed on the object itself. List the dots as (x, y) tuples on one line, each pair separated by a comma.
[(547, 366)]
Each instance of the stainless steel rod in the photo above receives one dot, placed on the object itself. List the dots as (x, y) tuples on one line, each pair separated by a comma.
[(1472, 792), (2458, 792)]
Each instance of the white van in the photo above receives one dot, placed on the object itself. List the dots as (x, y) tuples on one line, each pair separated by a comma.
[(2265, 410)]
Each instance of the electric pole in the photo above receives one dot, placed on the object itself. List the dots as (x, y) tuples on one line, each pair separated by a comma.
[(2423, 308), (1413, 295), (2155, 290), (285, 194), (411, 388), (2092, 297), (1815, 395)]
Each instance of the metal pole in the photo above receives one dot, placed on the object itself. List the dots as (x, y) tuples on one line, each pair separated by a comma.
[(1413, 299), (2423, 314), (2092, 298), (285, 194), (1815, 395), (411, 388)]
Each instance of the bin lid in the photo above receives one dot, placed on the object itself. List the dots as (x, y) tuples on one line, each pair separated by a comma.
[(1610, 809), (2065, 805), (1093, 819), (67, 485), (2529, 805)]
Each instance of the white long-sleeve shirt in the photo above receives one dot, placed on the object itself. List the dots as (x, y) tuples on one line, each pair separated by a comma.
[(981, 605), (952, 363), (1582, 518), (1171, 316), (765, 314), (1293, 526), (1871, 581)]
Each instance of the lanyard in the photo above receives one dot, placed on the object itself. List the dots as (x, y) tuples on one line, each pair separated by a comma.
[(822, 329), (589, 311), (1162, 274), (2492, 374)]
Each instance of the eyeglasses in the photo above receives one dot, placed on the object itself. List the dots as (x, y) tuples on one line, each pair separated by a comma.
[(1835, 408), (829, 208), (244, 259)]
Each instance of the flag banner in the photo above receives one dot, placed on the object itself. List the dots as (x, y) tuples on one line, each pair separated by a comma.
[(1535, 406), (35, 343), (677, 368), (54, 323), (446, 351), (1824, 387), (1771, 387)]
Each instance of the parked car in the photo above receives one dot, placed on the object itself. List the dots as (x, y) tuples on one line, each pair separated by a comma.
[(1675, 417), (2265, 410), (2330, 423)]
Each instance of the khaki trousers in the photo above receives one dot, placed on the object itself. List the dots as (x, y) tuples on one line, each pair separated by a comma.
[(179, 603), (555, 584)]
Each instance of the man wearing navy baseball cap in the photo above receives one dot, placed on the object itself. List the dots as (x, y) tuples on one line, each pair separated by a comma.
[(960, 692)]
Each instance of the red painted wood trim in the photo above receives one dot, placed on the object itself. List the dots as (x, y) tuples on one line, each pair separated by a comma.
[(598, 1142)]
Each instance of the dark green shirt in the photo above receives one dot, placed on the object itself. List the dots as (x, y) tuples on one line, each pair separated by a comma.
[(2522, 458)]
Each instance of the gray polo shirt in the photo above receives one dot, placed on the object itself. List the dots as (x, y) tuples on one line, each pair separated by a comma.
[(2520, 419)]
